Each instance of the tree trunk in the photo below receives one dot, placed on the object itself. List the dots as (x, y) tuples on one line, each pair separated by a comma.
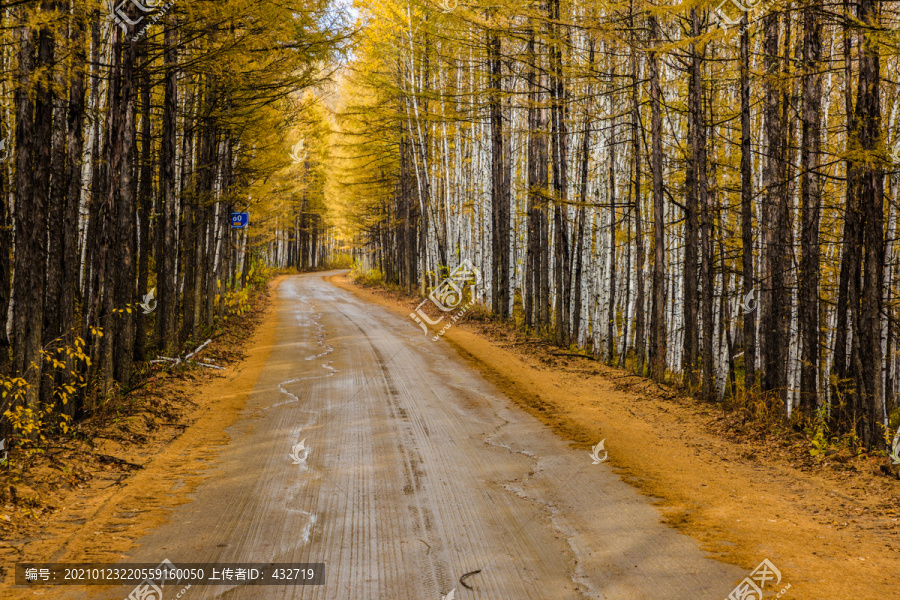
[(810, 200), (33, 127), (75, 152), (639, 317), (191, 213), (124, 271), (842, 413), (690, 299), (110, 253), (611, 313), (168, 301), (536, 302), (56, 232), (706, 223), (5, 278), (658, 316), (91, 283), (499, 189), (145, 204), (867, 133), (560, 157), (751, 295), (582, 205), (772, 348)]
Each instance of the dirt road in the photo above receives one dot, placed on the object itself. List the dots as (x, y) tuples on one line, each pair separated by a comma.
[(416, 471)]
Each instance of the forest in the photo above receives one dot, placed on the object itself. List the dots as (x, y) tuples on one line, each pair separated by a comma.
[(701, 193), (705, 194), (132, 131)]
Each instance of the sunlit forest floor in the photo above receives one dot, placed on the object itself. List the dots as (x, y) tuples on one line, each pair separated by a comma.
[(745, 492)]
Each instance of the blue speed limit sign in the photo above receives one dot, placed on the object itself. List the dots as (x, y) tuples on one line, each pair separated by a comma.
[(239, 220)]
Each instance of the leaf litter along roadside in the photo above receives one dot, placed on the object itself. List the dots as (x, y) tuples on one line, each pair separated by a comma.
[(745, 494), (45, 495)]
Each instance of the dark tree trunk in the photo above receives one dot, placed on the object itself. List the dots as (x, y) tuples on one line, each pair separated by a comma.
[(536, 299), (190, 222), (5, 277), (639, 316), (582, 206), (785, 280), (210, 267), (168, 302), (248, 255), (499, 189), (810, 200), (690, 299), (6, 224), (125, 242), (850, 250), (626, 301), (109, 252), (772, 349), (658, 316), (56, 233), (706, 223), (209, 154), (867, 133), (33, 128), (749, 291), (228, 233), (560, 152), (74, 151), (611, 314), (145, 204)]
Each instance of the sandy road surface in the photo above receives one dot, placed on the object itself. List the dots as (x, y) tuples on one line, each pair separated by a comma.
[(418, 472)]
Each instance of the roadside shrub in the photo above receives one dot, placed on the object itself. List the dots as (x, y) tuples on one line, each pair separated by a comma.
[(368, 278)]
